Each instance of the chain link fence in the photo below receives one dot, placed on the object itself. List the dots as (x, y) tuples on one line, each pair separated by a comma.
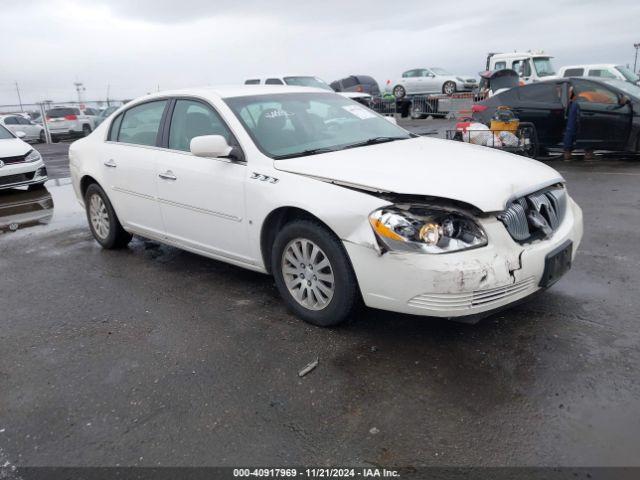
[(28, 115)]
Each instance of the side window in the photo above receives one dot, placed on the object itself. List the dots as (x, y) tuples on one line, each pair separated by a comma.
[(23, 121), (335, 86), (588, 92), (516, 65), (11, 121), (194, 119), (540, 92), (500, 66), (140, 124), (274, 81), (601, 73), (526, 68), (115, 128), (253, 81), (574, 72)]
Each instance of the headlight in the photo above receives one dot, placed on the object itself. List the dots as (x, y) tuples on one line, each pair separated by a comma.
[(33, 156), (425, 229)]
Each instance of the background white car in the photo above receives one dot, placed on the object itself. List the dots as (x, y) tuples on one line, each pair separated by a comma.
[(68, 122), (334, 201), (18, 123), (600, 70), (307, 81), (430, 80), (20, 164)]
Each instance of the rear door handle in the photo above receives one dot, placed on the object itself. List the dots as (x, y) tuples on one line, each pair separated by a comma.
[(110, 163), (168, 175)]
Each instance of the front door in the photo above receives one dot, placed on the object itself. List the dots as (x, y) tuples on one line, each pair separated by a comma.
[(604, 123), (202, 199), (129, 167)]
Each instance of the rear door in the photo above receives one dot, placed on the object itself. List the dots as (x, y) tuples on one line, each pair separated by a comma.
[(604, 123), (201, 199), (541, 104), (129, 166)]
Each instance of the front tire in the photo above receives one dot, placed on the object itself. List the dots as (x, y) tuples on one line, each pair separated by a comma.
[(86, 130), (103, 221), (313, 274), (449, 88)]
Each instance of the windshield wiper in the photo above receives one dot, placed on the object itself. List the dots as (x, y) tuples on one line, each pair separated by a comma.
[(372, 141), (305, 153)]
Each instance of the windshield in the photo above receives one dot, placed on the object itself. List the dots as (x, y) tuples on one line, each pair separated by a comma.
[(543, 66), (297, 124), (439, 71), (628, 88), (628, 74), (307, 82), (5, 134)]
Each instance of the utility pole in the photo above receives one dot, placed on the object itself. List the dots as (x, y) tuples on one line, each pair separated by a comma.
[(635, 62), (20, 99)]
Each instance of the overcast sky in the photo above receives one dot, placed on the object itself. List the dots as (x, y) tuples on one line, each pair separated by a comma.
[(136, 46)]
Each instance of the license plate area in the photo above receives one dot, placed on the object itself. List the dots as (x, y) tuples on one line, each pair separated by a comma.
[(556, 264)]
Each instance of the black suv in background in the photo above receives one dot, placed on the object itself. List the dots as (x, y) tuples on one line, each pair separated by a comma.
[(357, 83)]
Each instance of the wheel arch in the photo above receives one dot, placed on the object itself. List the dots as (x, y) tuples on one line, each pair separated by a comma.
[(85, 181), (274, 222)]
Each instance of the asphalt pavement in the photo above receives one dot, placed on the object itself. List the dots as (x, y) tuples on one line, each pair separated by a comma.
[(155, 356)]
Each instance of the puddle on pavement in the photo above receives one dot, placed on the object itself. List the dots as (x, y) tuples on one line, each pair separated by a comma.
[(22, 208), (52, 207)]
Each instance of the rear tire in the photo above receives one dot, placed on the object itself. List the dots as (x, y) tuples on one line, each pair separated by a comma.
[(313, 274), (103, 221), (449, 88), (42, 138), (399, 91)]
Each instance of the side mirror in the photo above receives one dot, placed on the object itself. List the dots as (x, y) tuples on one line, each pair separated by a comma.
[(624, 100), (21, 134), (210, 146)]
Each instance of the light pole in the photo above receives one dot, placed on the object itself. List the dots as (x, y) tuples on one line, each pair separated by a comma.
[(635, 62), (79, 88)]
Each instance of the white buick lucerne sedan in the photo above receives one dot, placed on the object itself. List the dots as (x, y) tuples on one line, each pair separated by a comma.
[(338, 204)]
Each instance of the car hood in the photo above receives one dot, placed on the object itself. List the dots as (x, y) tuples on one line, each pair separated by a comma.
[(483, 177), (12, 147)]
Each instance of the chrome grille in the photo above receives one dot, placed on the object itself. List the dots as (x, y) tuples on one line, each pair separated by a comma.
[(475, 299), (536, 215)]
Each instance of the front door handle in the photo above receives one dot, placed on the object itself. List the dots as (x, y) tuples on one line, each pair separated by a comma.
[(168, 175), (110, 163)]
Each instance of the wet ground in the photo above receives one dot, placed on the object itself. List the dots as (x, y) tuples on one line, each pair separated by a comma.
[(154, 356)]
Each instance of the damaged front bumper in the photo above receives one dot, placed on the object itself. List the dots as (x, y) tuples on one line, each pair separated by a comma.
[(468, 283)]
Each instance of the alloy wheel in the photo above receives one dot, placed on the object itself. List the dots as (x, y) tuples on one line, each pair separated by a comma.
[(99, 216), (308, 274)]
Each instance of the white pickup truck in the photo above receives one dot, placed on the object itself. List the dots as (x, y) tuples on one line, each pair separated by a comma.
[(531, 66)]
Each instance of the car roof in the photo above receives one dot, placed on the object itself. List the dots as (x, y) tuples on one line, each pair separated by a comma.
[(231, 91), (589, 65), (520, 54)]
